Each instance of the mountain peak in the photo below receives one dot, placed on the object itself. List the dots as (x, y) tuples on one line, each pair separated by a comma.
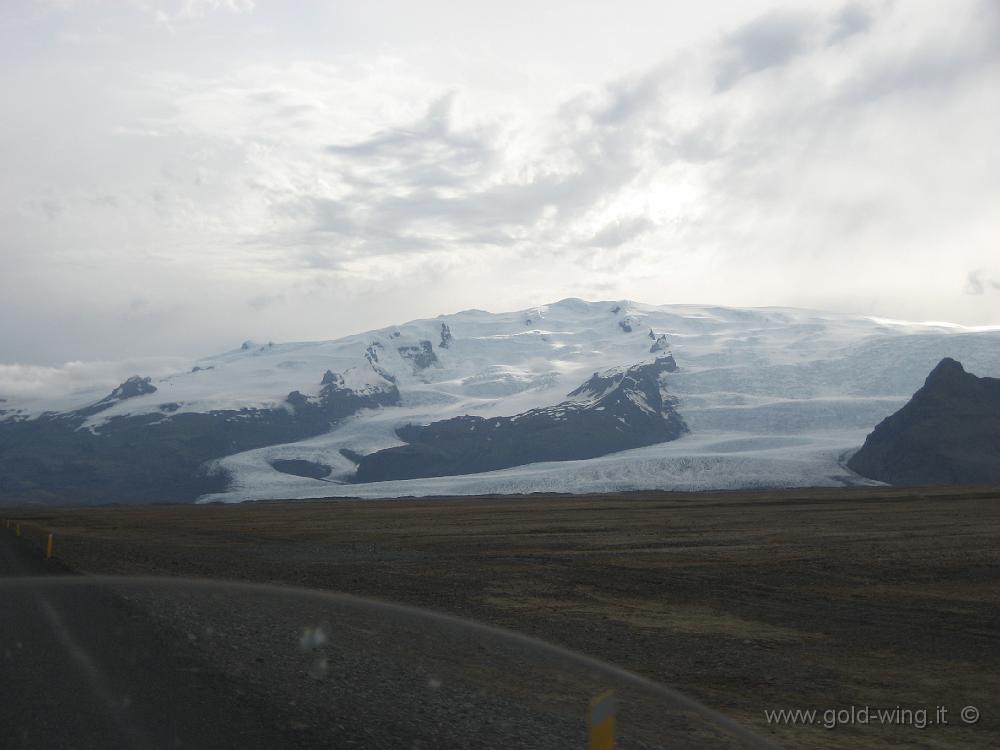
[(945, 370), (132, 387), (945, 434)]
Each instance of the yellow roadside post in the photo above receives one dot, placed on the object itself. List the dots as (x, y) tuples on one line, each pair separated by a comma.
[(601, 722), (19, 529), (48, 548)]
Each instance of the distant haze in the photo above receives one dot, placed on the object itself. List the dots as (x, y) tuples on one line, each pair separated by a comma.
[(178, 176)]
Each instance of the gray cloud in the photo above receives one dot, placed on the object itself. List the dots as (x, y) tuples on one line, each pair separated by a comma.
[(630, 97), (451, 174), (279, 174), (619, 232), (975, 284), (263, 301), (851, 20), (766, 42), (66, 380), (435, 151), (51, 208), (963, 46)]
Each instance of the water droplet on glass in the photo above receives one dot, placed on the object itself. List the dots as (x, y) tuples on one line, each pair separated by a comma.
[(313, 638), (319, 669)]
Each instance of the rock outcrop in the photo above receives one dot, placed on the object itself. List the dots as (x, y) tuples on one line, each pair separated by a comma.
[(948, 433), (420, 356), (660, 345), (343, 395), (133, 387), (446, 337), (373, 351), (301, 468)]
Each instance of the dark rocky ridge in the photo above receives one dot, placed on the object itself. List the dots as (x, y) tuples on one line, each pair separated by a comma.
[(155, 457), (421, 356), (336, 400), (660, 344), (373, 351), (611, 412), (446, 337), (301, 468), (132, 388), (948, 433)]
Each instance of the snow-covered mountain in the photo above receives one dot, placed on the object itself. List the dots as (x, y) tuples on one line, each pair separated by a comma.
[(641, 396)]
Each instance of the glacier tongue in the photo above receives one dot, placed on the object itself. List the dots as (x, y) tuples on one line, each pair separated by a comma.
[(616, 411)]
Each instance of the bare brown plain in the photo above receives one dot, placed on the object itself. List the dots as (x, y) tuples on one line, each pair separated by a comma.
[(813, 599)]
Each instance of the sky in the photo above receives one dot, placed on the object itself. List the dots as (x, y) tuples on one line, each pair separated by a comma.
[(180, 176)]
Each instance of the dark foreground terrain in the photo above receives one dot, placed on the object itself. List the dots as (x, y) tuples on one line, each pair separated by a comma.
[(813, 599), (73, 680)]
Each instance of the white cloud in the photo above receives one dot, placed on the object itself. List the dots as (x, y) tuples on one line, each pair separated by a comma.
[(18, 382), (280, 175)]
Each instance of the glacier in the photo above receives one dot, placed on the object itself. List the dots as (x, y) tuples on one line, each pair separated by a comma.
[(773, 397)]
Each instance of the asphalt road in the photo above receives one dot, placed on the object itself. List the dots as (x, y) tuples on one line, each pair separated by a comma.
[(86, 667), (83, 668), (107, 665)]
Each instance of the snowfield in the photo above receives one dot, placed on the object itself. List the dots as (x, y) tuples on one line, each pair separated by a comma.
[(773, 397)]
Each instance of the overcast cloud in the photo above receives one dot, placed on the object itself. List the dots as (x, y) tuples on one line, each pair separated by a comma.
[(180, 176)]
